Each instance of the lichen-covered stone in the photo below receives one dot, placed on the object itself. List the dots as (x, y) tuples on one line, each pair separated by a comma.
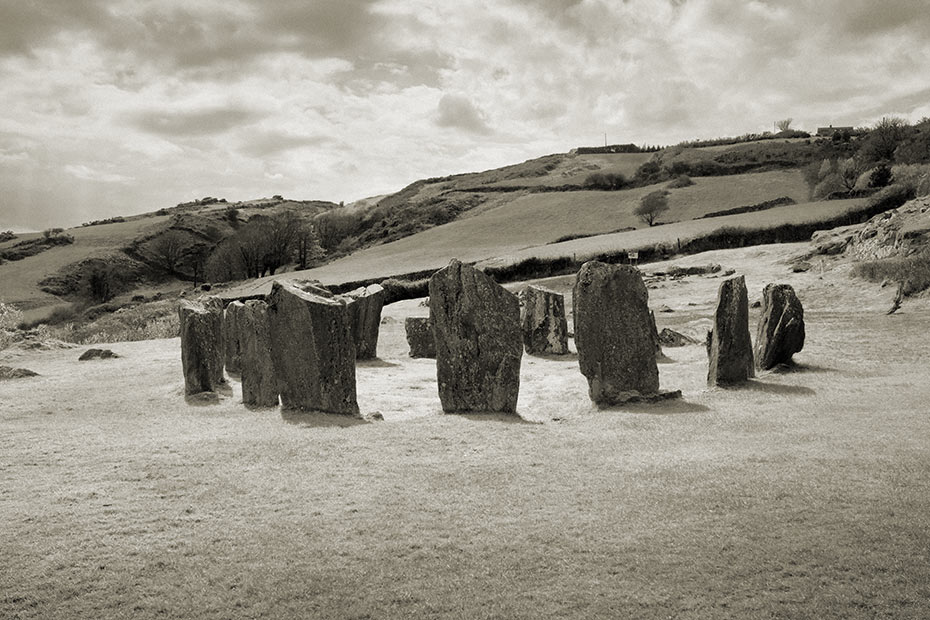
[(729, 346), (201, 347), (545, 329), (479, 346), (781, 326), (259, 383), (419, 331), (312, 350), (614, 334), (232, 336), (364, 305)]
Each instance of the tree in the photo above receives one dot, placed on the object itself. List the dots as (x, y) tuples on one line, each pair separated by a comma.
[(784, 124), (651, 206), (167, 250), (879, 146), (849, 171), (309, 249)]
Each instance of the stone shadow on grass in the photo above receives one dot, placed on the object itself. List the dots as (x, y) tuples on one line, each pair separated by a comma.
[(669, 406), (755, 385), (510, 418), (376, 363), (571, 356), (318, 419), (784, 369)]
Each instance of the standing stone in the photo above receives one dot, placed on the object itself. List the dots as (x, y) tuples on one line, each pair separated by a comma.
[(216, 305), (312, 350), (201, 347), (476, 328), (655, 333), (781, 326), (729, 347), (259, 384), (614, 334), (544, 327), (232, 335), (420, 336), (364, 305)]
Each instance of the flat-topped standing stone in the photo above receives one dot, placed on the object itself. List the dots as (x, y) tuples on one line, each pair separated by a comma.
[(476, 328), (232, 335), (781, 326), (729, 347), (420, 336), (364, 305), (614, 334), (201, 347), (216, 306), (312, 350), (259, 383), (544, 327)]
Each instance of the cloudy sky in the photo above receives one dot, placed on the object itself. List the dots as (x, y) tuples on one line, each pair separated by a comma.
[(112, 107)]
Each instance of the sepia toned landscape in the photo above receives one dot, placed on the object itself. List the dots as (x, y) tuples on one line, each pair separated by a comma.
[(405, 358)]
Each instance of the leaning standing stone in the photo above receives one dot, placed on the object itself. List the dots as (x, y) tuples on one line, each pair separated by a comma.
[(259, 385), (544, 327), (729, 348), (201, 347), (312, 350), (420, 336), (614, 334), (364, 305), (781, 326), (476, 328), (232, 335)]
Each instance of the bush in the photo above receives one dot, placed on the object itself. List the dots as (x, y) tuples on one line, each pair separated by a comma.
[(605, 181), (913, 176), (682, 180), (912, 271), (396, 289), (7, 235), (880, 176)]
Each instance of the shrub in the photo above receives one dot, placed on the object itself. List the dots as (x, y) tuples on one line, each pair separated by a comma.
[(396, 289), (651, 206), (914, 176), (880, 176), (7, 235), (605, 181), (912, 271), (682, 180)]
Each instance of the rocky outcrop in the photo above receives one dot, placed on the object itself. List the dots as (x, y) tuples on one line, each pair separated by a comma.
[(312, 350), (781, 326), (476, 328), (729, 346), (201, 347), (545, 329), (898, 232), (259, 382), (9, 372), (97, 354), (614, 334), (364, 305), (420, 336)]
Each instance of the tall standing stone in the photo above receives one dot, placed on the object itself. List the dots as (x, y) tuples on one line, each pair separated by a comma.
[(201, 347), (476, 328), (259, 383), (781, 326), (364, 305), (729, 347), (614, 334), (544, 327), (215, 305), (419, 331), (232, 335), (312, 350)]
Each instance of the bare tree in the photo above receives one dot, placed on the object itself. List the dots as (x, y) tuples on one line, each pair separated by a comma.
[(784, 124), (167, 250)]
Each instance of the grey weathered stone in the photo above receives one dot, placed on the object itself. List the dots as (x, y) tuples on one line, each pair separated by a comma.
[(216, 306), (9, 372), (97, 354), (259, 382), (614, 334), (476, 328), (312, 350), (420, 336), (671, 338), (201, 347), (655, 331), (781, 326), (232, 335), (364, 305), (545, 329), (729, 347)]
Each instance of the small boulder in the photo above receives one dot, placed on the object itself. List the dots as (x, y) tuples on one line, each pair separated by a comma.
[(614, 333), (781, 326), (8, 372), (479, 345), (420, 336), (201, 347), (259, 383), (312, 350), (729, 346), (364, 305), (671, 338), (545, 329), (97, 354)]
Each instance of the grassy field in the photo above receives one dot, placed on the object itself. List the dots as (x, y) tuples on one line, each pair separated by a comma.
[(802, 495), (573, 170)]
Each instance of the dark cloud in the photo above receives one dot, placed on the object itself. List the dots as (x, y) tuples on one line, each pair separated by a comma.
[(27, 25), (208, 121), (458, 112), (266, 143)]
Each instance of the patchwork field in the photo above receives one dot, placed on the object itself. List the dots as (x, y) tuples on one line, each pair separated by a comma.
[(802, 495)]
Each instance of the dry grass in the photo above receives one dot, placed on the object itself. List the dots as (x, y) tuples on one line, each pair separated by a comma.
[(804, 495)]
